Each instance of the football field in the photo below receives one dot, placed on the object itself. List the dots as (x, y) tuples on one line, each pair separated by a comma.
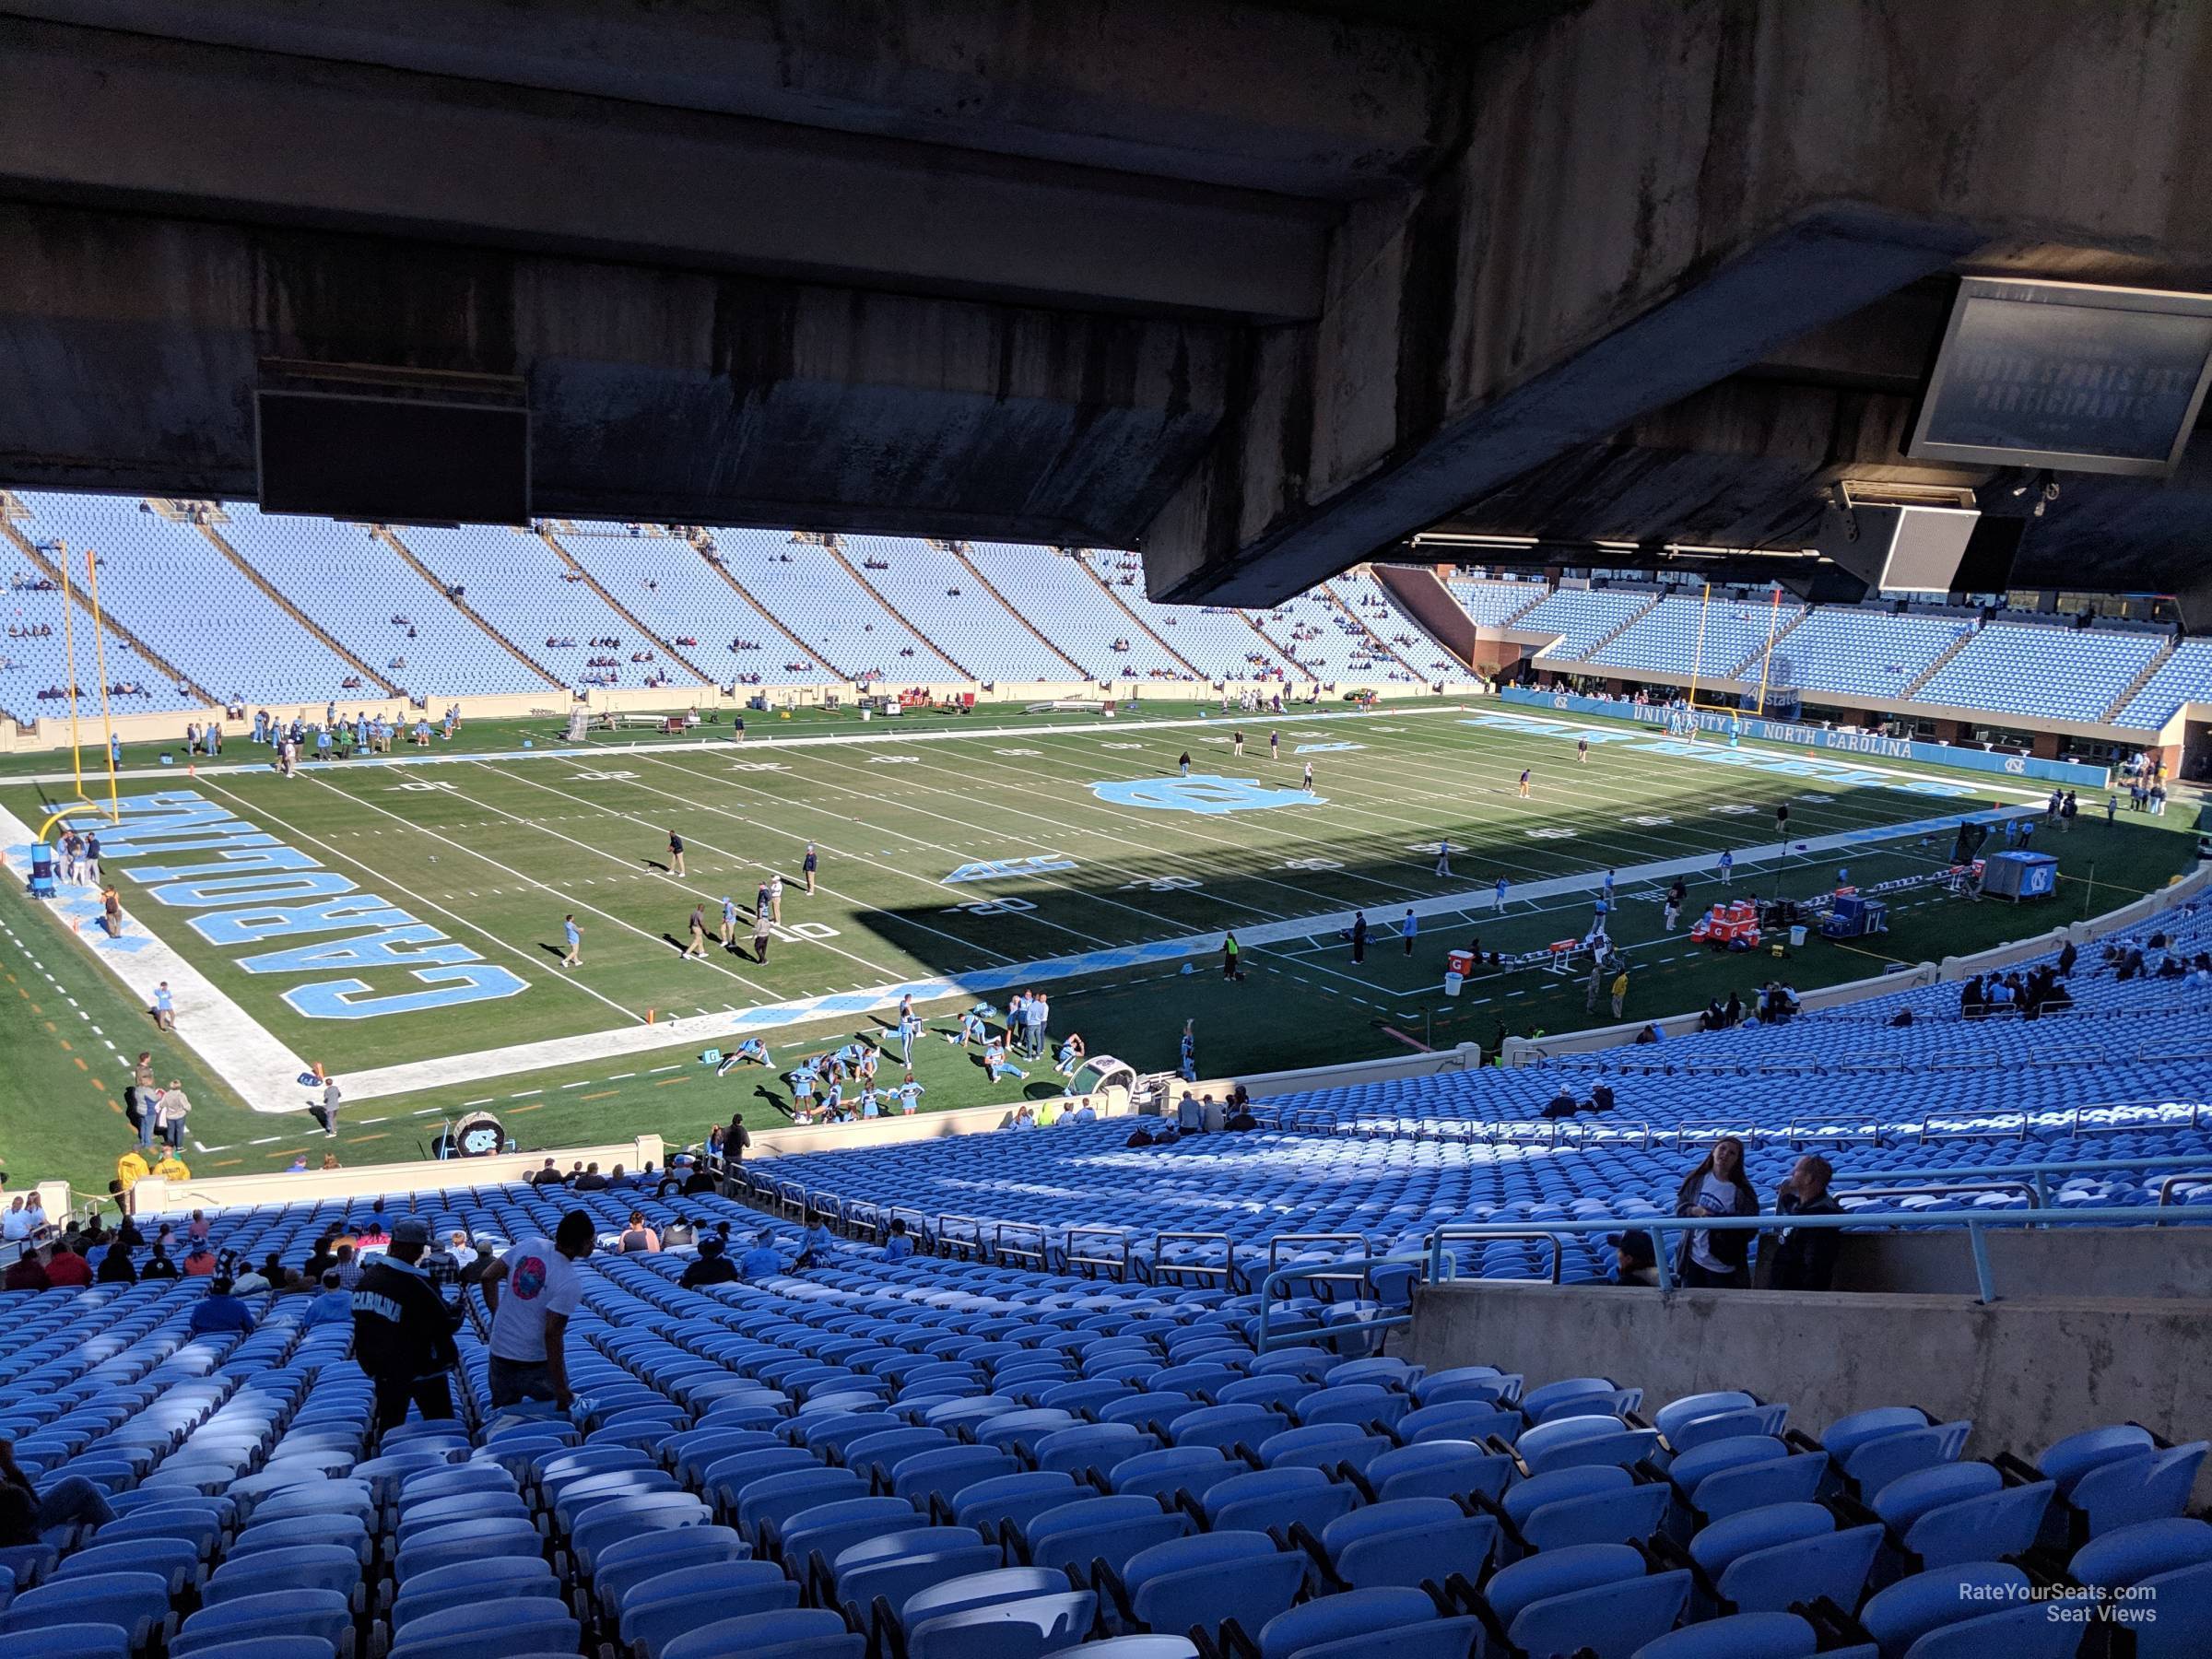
[(401, 923)]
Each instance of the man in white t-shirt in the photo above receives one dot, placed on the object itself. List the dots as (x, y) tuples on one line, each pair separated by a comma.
[(531, 1292)]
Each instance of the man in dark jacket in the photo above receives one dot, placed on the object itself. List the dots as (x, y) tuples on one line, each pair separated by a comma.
[(713, 1267), (1804, 1258), (403, 1331)]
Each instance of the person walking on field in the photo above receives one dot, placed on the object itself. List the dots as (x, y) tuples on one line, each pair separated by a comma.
[(762, 927), (675, 852), (1582, 751), (806, 868), (728, 933), (1525, 772), (775, 897), (1358, 935), (1620, 993), (1275, 746), (1183, 763), (1408, 928), (1236, 744), (1443, 858), (697, 947), (574, 935), (1230, 949)]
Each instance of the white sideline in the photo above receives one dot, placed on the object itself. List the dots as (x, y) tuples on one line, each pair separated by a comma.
[(708, 1027), (235, 1045)]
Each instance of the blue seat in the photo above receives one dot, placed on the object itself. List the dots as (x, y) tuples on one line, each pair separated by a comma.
[(1408, 1541), (1622, 1513), (1565, 1441), (176, 1560), (1439, 1468), (2147, 1486), (83, 1640), (1741, 1636), (1131, 1647), (491, 1630), (1173, 1469), (1027, 1628), (794, 1634), (922, 1476), (1080, 1448), (1209, 1579), (1094, 1529), (138, 1602), (1273, 1501), (631, 1561), (1334, 1618), (1897, 1617), (657, 1610), (830, 1527), (1012, 1500), (465, 1584), (303, 1567), (320, 1613), (1766, 1560)]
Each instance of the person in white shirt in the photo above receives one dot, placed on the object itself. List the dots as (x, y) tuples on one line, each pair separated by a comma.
[(1717, 1187), (531, 1292)]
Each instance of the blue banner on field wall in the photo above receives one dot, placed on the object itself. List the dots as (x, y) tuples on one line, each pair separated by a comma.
[(1811, 736)]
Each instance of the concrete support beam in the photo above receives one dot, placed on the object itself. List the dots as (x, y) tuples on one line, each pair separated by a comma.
[(704, 399), (216, 132), (1657, 195), (1250, 96)]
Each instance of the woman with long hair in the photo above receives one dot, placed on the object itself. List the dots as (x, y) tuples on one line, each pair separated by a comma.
[(1718, 1186)]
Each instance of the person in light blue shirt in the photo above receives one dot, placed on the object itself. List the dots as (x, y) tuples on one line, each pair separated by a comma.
[(115, 750), (868, 1108), (898, 1247), (1727, 870), (763, 1260), (1500, 892), (333, 1304), (910, 1095)]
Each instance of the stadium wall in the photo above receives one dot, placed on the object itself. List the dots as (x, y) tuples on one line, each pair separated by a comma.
[(2025, 1370), (51, 734), (1795, 735)]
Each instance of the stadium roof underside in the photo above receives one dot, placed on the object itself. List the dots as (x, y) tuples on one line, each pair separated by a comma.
[(1263, 289)]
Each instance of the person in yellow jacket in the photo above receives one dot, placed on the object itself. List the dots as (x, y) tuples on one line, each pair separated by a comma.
[(131, 1169), (172, 1168), (1620, 993)]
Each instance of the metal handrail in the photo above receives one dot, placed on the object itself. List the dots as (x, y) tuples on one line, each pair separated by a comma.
[(1974, 1223), (1318, 1272), (1226, 1272), (972, 1242), (1262, 1338), (1437, 1240), (1074, 1255), (1024, 1255), (2166, 1187)]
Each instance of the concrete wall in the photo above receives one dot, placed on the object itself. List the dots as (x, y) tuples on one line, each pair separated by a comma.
[(2024, 1371), (2139, 1263), (154, 1196)]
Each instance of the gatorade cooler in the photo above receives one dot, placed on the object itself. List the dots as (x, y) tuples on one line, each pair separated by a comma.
[(1460, 963)]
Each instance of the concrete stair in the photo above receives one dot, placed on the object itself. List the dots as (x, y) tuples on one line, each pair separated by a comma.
[(390, 539), (2111, 713), (52, 571), (1136, 621), (1279, 649), (1013, 610), (623, 610), (1626, 623), (1749, 667), (1927, 674), (805, 650), (910, 623), (1367, 627), (293, 611)]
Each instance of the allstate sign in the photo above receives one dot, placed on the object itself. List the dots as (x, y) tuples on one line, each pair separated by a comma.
[(1199, 793)]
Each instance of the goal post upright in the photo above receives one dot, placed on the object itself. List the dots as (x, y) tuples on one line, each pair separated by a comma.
[(107, 720)]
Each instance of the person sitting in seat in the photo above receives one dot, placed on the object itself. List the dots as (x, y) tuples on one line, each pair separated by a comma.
[(220, 1312), (1601, 1097), (1633, 1262), (1190, 1115), (898, 1246), (1804, 1257), (638, 1238), (1562, 1105), (763, 1260), (713, 1267), (25, 1513), (333, 1304)]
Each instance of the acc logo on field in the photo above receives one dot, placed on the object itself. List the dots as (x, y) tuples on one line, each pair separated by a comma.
[(1317, 865), (1551, 832), (893, 760), (1121, 746), (769, 766), (1326, 748), (1019, 753), (1199, 793), (604, 777)]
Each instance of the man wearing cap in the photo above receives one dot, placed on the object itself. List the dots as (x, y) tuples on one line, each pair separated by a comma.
[(713, 1267), (403, 1332), (442, 1266)]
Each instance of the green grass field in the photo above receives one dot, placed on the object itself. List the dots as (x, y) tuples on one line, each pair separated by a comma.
[(491, 847)]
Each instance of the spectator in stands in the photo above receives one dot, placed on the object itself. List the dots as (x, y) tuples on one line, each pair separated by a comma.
[(1804, 1257), (898, 1246), (403, 1331), (549, 1175), (591, 1180), (2067, 957), (27, 1272), (474, 1270), (116, 1267), (349, 1266), (1973, 1004), (158, 1265), (679, 1234), (1718, 1186), (199, 1260), (699, 1180), (25, 1513), (713, 1267), (637, 1237), (219, 1312), (1190, 1116), (64, 1267), (332, 1303), (763, 1260), (530, 1320), (1561, 1104), (441, 1265), (199, 1227), (1633, 1262)]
